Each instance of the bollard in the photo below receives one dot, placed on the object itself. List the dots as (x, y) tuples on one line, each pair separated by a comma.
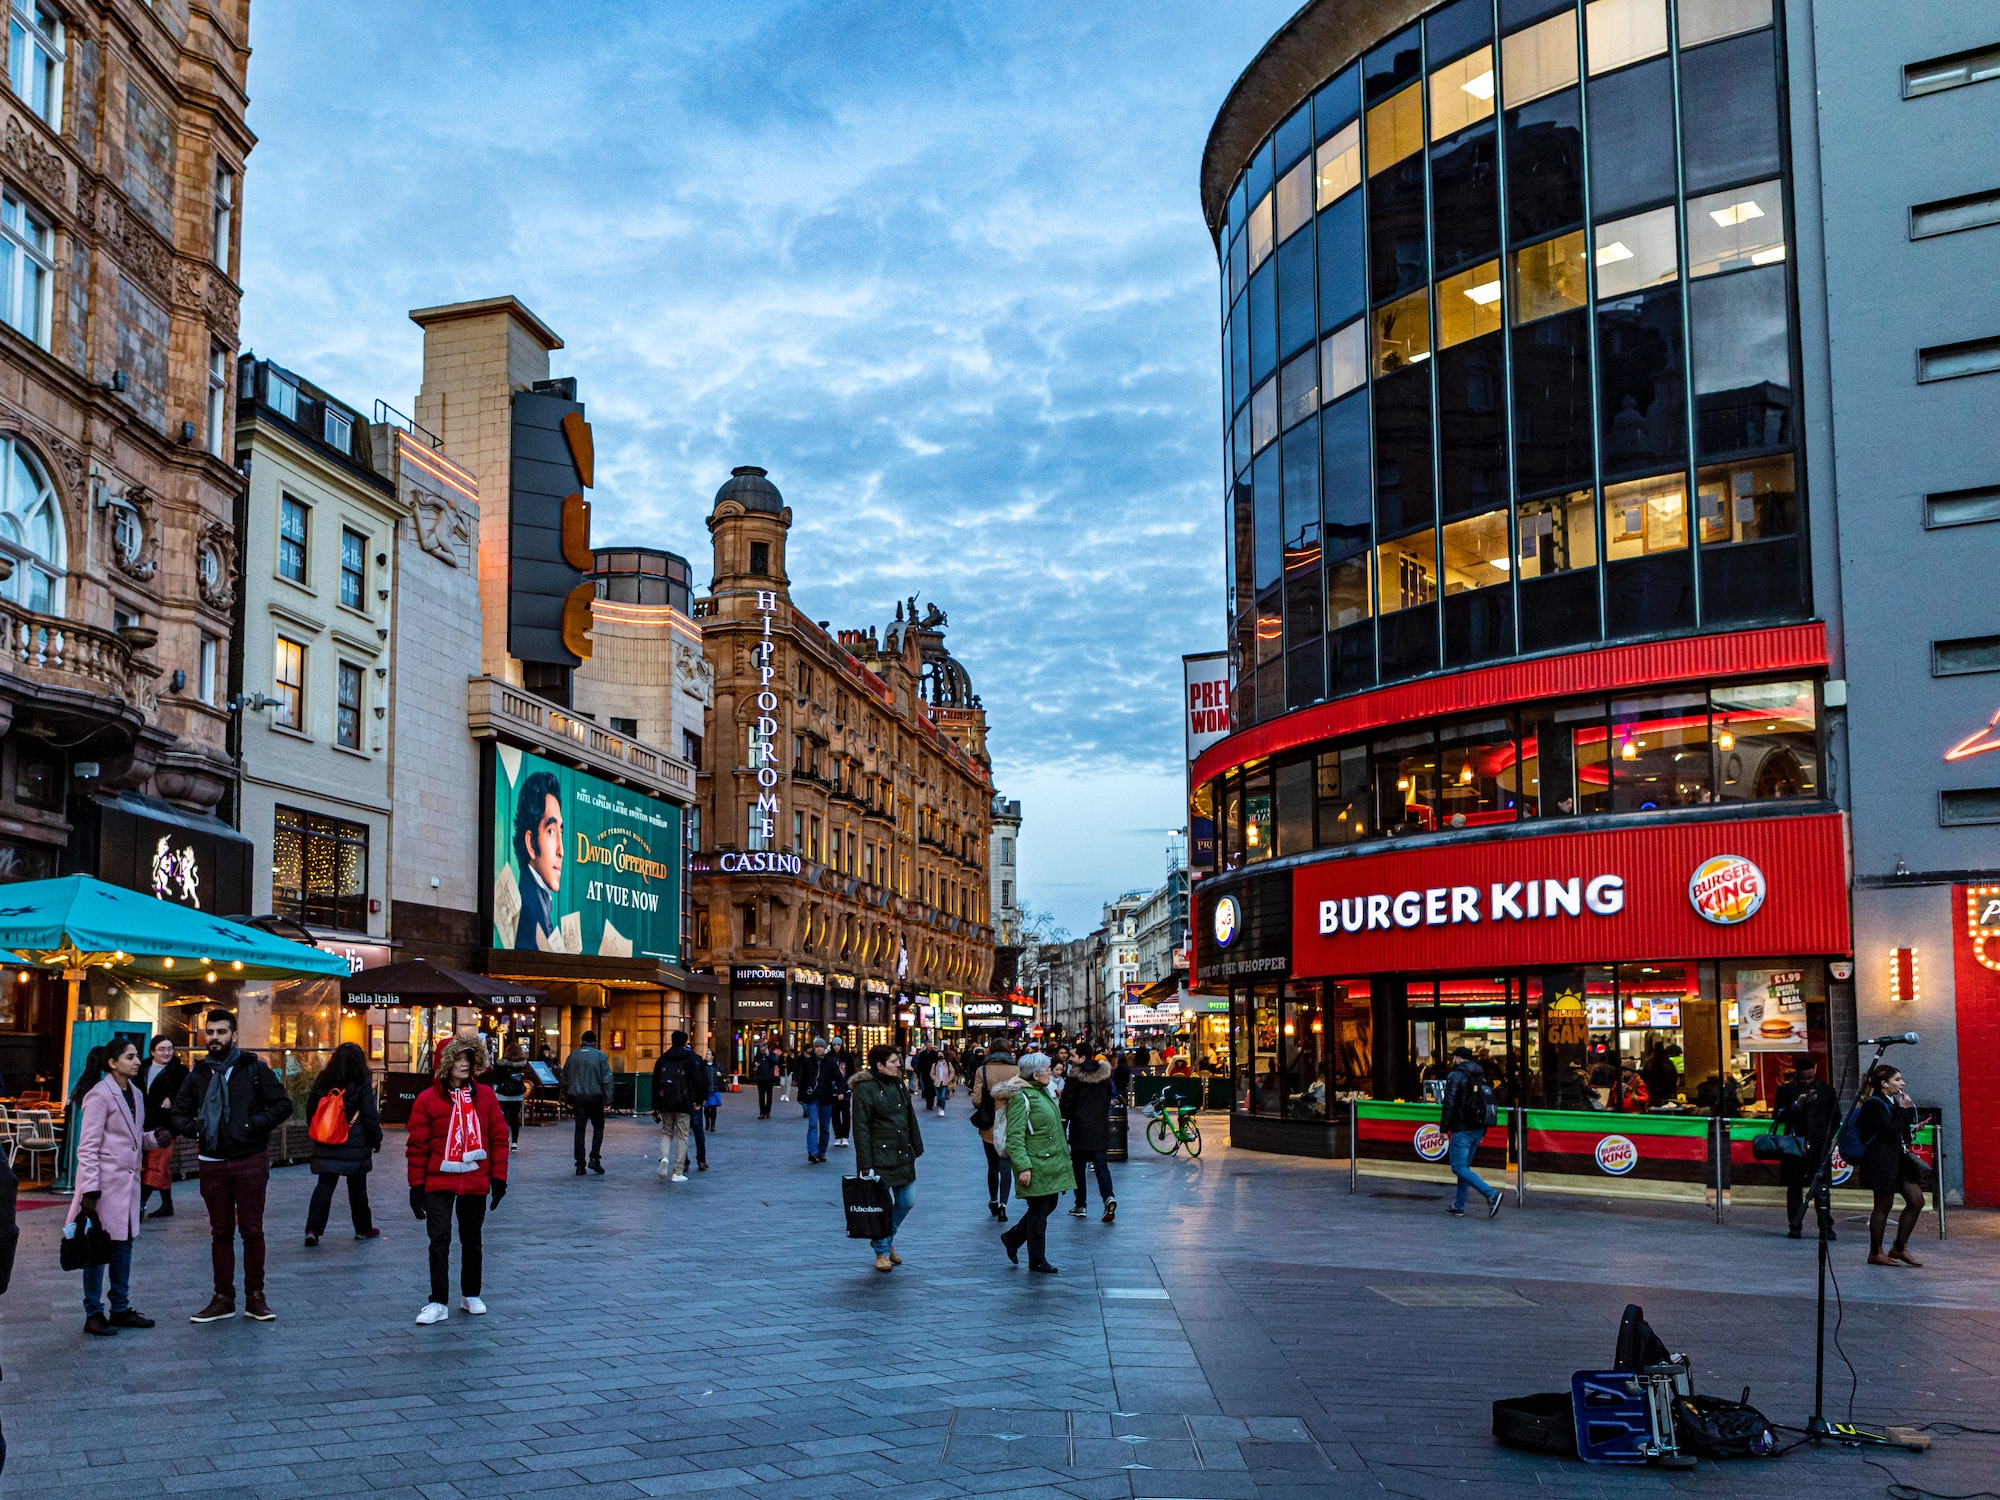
[(1114, 1143)]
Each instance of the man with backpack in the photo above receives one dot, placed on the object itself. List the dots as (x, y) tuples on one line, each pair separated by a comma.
[(680, 1084), (1469, 1112)]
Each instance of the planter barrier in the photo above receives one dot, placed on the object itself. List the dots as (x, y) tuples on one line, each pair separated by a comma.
[(1671, 1157)]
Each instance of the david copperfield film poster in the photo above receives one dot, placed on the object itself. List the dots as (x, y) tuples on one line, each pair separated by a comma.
[(580, 865)]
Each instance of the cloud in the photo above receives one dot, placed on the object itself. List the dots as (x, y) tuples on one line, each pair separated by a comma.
[(940, 268)]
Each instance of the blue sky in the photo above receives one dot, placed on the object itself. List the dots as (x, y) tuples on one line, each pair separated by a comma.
[(939, 268)]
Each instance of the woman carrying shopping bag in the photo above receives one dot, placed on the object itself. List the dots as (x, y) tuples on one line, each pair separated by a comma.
[(110, 1146)]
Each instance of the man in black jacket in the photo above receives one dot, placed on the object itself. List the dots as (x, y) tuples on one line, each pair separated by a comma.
[(767, 1067), (1086, 1111), (1806, 1107), (1464, 1119), (680, 1083), (230, 1103), (822, 1083)]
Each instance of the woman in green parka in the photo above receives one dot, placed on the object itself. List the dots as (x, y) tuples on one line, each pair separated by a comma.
[(1039, 1153), (887, 1141)]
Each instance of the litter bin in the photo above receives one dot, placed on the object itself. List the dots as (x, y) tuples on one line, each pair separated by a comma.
[(1115, 1141)]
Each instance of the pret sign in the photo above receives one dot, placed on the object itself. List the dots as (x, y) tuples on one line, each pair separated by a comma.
[(1205, 704)]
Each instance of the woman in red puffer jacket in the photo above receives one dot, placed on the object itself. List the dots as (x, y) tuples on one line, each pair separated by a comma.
[(457, 1156)]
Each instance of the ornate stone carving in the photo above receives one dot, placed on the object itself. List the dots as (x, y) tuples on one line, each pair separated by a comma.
[(136, 245), (68, 457), (215, 565), (39, 165), (693, 673), (135, 546), (444, 529)]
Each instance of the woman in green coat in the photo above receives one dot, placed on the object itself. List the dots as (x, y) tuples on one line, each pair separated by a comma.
[(887, 1141), (1040, 1155)]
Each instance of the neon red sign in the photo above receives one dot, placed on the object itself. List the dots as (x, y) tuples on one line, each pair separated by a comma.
[(1978, 742)]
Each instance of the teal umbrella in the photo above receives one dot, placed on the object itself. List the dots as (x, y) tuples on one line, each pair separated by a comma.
[(77, 923)]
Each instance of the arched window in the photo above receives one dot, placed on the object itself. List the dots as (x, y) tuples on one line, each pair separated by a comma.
[(31, 531)]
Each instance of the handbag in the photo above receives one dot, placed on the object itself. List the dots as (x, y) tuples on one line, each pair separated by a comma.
[(90, 1245), (1778, 1148), (870, 1206), (329, 1121)]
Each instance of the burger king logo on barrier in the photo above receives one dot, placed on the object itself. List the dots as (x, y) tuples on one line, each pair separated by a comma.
[(1842, 1169), (1431, 1143), (1617, 1155), (1727, 889), (1226, 921)]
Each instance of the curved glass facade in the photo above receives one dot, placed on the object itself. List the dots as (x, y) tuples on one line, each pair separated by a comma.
[(1508, 351)]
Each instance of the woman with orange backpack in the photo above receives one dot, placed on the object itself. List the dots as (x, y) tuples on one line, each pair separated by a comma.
[(346, 1131)]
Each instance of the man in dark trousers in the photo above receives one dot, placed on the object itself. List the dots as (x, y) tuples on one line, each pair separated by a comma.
[(230, 1103), (586, 1077), (824, 1082), (1086, 1110), (767, 1067), (926, 1063), (680, 1083), (1807, 1107), (1465, 1118)]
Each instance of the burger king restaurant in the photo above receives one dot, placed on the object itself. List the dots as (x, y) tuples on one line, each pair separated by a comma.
[(1672, 971)]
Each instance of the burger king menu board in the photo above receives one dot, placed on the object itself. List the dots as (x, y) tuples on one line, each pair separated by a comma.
[(1771, 1010)]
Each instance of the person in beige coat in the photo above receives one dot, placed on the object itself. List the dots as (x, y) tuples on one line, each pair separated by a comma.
[(988, 1114), (111, 1141)]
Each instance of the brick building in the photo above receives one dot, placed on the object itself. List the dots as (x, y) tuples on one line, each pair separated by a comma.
[(846, 805), (122, 147)]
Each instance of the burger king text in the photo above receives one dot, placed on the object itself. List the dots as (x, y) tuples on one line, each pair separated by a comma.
[(1439, 906)]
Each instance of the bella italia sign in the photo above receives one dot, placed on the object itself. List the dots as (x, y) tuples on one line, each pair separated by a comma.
[(763, 827)]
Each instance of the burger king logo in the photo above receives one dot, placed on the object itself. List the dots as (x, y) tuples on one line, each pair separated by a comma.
[(1841, 1169), (1228, 921), (1727, 889), (1617, 1155), (1431, 1143)]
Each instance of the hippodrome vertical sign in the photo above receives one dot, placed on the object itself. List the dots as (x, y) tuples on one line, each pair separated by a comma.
[(763, 827)]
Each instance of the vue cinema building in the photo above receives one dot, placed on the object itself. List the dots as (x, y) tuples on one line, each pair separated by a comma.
[(1610, 524)]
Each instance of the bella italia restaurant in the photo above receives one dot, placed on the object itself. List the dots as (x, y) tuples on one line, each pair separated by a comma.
[(1636, 995)]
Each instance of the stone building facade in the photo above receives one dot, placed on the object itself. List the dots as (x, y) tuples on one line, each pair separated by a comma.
[(846, 805), (122, 147)]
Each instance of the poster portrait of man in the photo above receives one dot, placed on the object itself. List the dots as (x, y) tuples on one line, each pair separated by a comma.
[(538, 849)]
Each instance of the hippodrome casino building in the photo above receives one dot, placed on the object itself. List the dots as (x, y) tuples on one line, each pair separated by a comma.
[(1612, 513)]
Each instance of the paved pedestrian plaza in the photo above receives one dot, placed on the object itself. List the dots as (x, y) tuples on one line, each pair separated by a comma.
[(1246, 1329)]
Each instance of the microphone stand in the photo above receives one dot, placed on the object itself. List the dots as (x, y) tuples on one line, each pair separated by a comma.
[(1818, 1429)]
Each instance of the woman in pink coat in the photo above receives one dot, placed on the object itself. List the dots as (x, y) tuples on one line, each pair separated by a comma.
[(110, 1152)]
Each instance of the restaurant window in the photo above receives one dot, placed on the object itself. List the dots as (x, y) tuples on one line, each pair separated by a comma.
[(1645, 516), (1232, 823), (1406, 572), (347, 712), (1766, 741), (1259, 1085), (1302, 1053), (1661, 753), (1341, 795), (1773, 1016), (1477, 773), (293, 519), (320, 870), (1294, 817), (1745, 502), (1258, 819), (1557, 534), (1405, 777), (288, 677)]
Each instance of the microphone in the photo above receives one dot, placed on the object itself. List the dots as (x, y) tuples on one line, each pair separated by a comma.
[(1906, 1038)]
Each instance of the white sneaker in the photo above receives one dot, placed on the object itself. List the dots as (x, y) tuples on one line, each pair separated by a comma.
[(680, 1177), (433, 1312), (472, 1305)]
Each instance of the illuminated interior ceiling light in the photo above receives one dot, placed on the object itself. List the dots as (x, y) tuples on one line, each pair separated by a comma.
[(1768, 257), (1417, 359), (1480, 87), (1612, 253), (1737, 213), (1628, 751), (1501, 564), (1402, 783), (1726, 740), (1486, 293), (167, 963), (1465, 774)]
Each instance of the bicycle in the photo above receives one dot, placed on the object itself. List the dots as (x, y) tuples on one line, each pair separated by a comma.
[(1173, 1126)]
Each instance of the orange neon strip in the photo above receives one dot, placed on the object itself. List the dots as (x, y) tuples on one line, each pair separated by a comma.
[(1979, 742)]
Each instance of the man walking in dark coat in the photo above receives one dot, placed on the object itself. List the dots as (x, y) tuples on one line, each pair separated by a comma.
[(680, 1084), (1807, 1107), (586, 1077), (1086, 1110), (767, 1067)]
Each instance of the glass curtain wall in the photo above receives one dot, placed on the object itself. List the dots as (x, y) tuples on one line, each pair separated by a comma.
[(1508, 348)]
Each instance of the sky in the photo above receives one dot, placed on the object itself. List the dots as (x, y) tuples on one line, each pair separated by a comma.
[(939, 268)]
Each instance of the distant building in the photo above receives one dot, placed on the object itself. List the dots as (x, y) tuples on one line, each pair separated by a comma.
[(1006, 884)]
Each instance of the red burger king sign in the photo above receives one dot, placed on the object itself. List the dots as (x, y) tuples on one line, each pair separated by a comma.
[(1727, 889), (1617, 1155)]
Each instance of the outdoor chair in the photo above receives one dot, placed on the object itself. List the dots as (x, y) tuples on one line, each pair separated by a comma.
[(36, 1136)]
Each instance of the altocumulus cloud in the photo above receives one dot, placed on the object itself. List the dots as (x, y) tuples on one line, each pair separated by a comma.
[(939, 268)]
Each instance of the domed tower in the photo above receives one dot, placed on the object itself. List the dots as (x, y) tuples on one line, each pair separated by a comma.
[(748, 524)]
